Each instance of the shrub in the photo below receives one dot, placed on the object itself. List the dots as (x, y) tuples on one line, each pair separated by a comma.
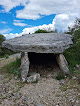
[(2, 38), (6, 56)]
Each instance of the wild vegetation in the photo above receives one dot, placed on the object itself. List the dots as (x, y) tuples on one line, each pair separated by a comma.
[(13, 68), (4, 52), (44, 31), (73, 53)]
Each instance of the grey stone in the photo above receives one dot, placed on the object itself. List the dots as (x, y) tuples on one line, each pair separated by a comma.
[(25, 100), (77, 66), (33, 77), (74, 77), (17, 95), (24, 66), (39, 104), (62, 63), (40, 43), (62, 82)]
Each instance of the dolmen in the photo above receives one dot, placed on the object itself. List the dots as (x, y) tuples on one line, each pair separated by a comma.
[(55, 43)]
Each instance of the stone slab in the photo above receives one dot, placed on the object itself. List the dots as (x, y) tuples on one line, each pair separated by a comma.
[(40, 43)]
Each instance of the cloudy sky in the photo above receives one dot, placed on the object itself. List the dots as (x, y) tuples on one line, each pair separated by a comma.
[(19, 17)]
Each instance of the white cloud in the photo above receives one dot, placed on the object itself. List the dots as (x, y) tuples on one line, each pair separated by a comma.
[(10, 4), (19, 23), (31, 30), (62, 21), (3, 31), (3, 22), (35, 8), (11, 35)]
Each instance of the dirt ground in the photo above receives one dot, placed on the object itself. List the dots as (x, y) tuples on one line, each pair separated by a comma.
[(46, 92)]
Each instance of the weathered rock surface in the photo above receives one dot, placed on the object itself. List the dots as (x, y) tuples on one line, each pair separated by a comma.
[(25, 67), (62, 63), (34, 77), (62, 82), (40, 43), (77, 66)]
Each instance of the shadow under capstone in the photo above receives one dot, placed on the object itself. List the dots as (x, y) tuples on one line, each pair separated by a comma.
[(43, 63)]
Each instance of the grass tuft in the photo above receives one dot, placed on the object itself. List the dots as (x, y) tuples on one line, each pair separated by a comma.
[(60, 76)]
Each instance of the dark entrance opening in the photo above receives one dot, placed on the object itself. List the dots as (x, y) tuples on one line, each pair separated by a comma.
[(42, 58), (44, 64)]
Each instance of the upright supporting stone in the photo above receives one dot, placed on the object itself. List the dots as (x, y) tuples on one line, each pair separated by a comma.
[(62, 63), (24, 66)]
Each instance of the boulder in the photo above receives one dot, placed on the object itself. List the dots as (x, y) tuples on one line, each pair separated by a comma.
[(34, 77), (77, 66)]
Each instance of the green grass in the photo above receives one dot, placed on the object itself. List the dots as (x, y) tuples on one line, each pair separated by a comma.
[(6, 56), (77, 71), (60, 76), (12, 68)]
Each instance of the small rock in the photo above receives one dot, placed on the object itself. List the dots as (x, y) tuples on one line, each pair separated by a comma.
[(73, 77), (9, 96), (33, 78), (77, 66), (25, 100), (17, 95), (62, 82), (77, 101), (39, 104), (72, 100)]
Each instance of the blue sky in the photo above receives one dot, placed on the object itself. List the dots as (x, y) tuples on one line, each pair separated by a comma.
[(18, 17)]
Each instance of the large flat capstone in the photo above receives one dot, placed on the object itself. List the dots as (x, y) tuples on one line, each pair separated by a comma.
[(39, 43)]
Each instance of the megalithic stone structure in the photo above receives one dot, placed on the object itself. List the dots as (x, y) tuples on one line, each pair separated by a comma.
[(40, 43)]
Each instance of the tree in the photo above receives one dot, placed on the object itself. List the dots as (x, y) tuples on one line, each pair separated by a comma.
[(4, 51), (76, 26), (43, 31), (2, 38)]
